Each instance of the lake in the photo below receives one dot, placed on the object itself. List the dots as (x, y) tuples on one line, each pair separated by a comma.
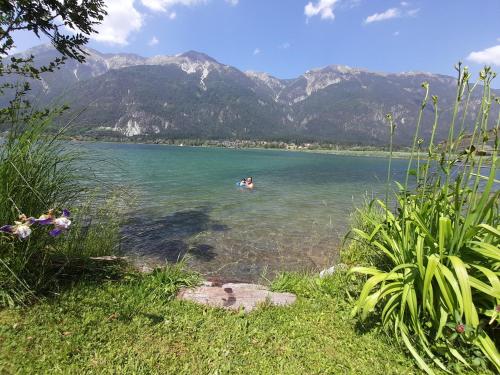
[(187, 205)]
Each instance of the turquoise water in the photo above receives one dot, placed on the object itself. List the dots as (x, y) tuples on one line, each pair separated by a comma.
[(187, 204)]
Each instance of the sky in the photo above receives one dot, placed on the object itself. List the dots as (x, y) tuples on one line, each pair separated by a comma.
[(288, 37)]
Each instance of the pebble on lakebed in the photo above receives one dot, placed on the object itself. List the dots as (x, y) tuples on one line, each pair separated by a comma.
[(235, 296)]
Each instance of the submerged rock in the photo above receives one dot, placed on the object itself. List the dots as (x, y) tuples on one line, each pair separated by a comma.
[(235, 296)]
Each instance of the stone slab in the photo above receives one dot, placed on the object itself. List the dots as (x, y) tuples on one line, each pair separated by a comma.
[(235, 296)]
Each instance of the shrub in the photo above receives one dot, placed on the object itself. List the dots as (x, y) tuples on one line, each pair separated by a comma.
[(439, 291)]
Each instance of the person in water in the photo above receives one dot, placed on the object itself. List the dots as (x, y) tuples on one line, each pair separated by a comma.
[(249, 182), (243, 182)]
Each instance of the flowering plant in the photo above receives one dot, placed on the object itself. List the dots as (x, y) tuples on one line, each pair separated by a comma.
[(60, 223), (22, 227)]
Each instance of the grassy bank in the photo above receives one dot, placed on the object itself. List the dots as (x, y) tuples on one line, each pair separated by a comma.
[(134, 326)]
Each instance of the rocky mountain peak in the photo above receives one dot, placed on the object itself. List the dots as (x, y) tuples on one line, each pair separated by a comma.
[(38, 50), (273, 83), (123, 60), (197, 56)]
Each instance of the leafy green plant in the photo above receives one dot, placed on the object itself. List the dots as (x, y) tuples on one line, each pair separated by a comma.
[(439, 289), (164, 283), (354, 250)]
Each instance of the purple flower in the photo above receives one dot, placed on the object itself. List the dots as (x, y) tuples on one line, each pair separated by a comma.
[(44, 220), (19, 229), (55, 232), (61, 223), (7, 229), (22, 228)]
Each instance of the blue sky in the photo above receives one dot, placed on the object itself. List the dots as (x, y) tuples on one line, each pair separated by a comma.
[(288, 37)]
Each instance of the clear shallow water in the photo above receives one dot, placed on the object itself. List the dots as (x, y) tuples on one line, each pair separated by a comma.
[(188, 203)]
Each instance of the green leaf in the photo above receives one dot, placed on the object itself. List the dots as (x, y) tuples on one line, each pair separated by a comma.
[(369, 304), (446, 293), (463, 280), (490, 275), (488, 348), (421, 363), (419, 252), (482, 287), (432, 264), (443, 319), (389, 308), (485, 249), (421, 224), (371, 283), (458, 356), (364, 270), (444, 233), (490, 229)]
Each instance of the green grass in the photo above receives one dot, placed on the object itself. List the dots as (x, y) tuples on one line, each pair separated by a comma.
[(134, 326)]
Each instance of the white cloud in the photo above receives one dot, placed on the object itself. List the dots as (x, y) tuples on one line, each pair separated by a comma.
[(122, 20), (164, 5), (413, 12), (153, 42), (285, 45), (256, 51), (387, 15), (322, 8), (395, 33), (486, 56), (392, 13), (405, 3)]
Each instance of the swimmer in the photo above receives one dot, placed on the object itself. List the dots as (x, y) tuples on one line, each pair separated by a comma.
[(249, 182)]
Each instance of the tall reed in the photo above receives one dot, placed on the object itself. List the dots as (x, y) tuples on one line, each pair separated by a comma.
[(39, 172)]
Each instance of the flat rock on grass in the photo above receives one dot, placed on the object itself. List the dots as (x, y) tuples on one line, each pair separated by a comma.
[(234, 296)]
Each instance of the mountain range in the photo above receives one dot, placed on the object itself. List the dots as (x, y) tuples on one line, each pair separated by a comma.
[(192, 95)]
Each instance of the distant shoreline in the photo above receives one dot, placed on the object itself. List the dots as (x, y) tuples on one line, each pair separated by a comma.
[(354, 151)]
